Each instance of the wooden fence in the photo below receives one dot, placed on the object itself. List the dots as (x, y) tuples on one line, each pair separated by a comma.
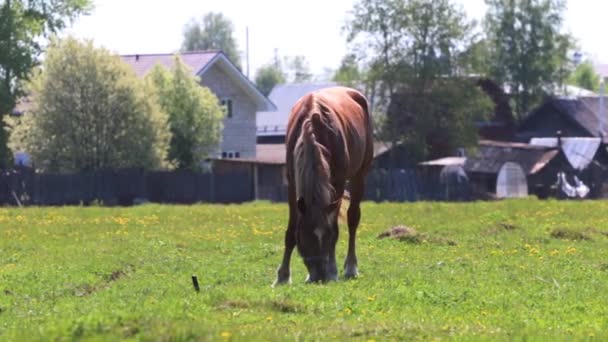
[(122, 187), (125, 187)]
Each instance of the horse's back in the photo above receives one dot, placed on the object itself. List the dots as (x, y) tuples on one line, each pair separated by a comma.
[(347, 109), (351, 111)]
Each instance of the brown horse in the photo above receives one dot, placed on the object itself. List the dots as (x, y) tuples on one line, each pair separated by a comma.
[(329, 141)]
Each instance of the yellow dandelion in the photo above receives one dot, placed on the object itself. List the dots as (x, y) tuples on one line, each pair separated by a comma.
[(570, 250), (269, 318), (554, 252), (225, 334)]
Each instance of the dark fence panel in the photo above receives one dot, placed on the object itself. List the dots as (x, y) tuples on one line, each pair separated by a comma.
[(179, 187), (401, 185), (125, 187), (233, 188)]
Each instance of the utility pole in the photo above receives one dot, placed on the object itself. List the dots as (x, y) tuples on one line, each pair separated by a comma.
[(247, 48)]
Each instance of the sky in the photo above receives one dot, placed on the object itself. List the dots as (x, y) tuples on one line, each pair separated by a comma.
[(312, 28)]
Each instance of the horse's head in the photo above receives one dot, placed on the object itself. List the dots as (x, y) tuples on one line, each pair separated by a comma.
[(317, 233)]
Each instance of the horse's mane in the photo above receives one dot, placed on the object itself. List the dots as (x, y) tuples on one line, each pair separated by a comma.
[(312, 171)]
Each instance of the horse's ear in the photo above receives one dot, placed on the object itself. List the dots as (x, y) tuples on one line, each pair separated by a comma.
[(301, 205)]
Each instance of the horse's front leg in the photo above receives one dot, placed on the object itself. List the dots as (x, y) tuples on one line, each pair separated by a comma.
[(284, 272), (332, 269)]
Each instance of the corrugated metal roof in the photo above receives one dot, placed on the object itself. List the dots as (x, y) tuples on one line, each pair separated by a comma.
[(583, 111), (448, 161), (284, 96), (579, 151), (491, 156)]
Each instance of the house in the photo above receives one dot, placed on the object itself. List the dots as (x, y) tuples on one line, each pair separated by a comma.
[(235, 91), (572, 116), (536, 166), (272, 124)]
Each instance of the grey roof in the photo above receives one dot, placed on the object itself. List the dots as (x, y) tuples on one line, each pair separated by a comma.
[(447, 161), (584, 111), (579, 151), (284, 96), (196, 61), (199, 62), (492, 155)]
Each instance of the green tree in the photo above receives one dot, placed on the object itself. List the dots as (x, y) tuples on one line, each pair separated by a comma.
[(375, 34), (414, 52), (436, 122), (528, 49), (586, 77), (214, 31), (22, 25), (268, 76), (195, 115), (297, 69), (348, 74), (90, 112)]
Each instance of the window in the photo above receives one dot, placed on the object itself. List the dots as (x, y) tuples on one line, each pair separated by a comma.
[(227, 104), (231, 154)]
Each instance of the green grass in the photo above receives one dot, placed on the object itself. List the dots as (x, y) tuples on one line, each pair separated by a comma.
[(507, 270)]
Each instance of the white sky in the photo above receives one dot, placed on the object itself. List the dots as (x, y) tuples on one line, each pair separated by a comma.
[(294, 27)]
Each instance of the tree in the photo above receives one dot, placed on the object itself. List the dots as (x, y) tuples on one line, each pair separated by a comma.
[(215, 31), (528, 50), (195, 115), (91, 112), (22, 24), (268, 76), (436, 122), (297, 69), (413, 52), (586, 77), (348, 73)]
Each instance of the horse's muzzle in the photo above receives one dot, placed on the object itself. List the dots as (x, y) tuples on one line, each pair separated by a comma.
[(317, 269)]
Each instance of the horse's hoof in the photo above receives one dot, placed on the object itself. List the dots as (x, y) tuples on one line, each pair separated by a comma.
[(351, 272), (282, 279), (280, 282)]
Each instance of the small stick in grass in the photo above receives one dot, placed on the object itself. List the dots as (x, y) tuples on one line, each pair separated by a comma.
[(195, 284)]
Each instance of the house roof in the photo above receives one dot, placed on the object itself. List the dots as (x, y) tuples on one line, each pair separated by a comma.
[(492, 155), (582, 111), (271, 123), (199, 62), (275, 154), (447, 161), (142, 64), (580, 152)]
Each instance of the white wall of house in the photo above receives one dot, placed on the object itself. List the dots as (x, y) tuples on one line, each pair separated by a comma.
[(239, 134)]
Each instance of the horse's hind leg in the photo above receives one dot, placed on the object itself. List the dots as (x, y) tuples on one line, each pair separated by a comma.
[(354, 215), (284, 273)]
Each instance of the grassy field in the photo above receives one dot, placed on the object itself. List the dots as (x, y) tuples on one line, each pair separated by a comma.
[(507, 270)]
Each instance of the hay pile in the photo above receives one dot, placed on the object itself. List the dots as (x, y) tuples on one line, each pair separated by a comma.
[(401, 233)]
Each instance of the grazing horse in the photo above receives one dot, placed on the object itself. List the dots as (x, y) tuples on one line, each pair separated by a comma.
[(329, 141)]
